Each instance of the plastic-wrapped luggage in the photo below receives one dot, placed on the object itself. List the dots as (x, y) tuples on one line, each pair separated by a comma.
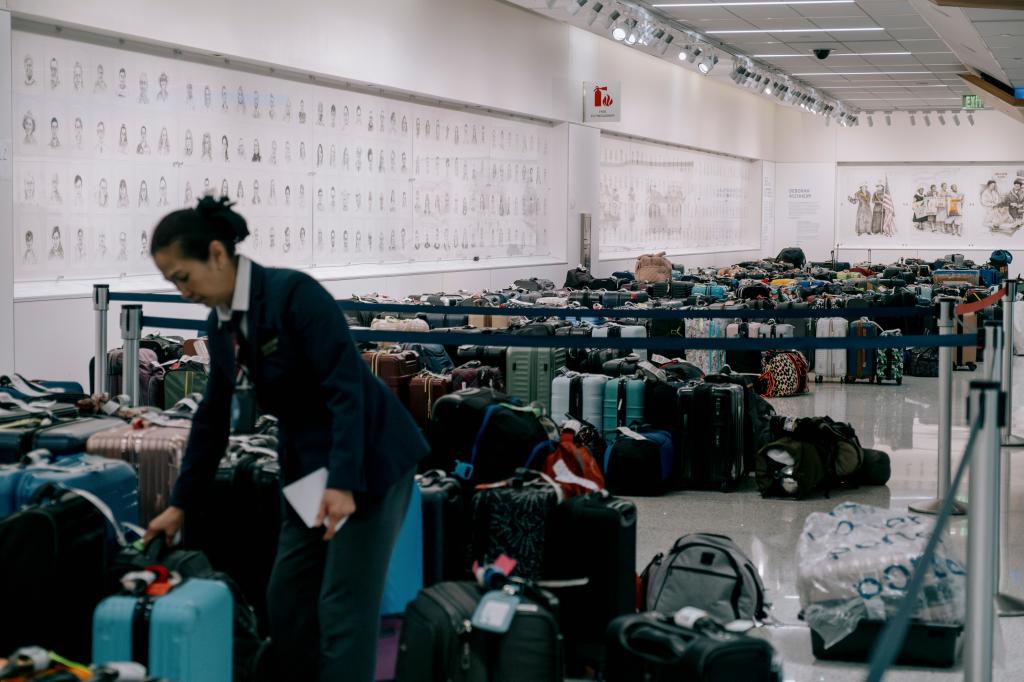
[(854, 564)]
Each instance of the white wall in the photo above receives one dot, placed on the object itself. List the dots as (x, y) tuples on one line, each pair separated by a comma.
[(805, 146), (478, 52), (6, 201)]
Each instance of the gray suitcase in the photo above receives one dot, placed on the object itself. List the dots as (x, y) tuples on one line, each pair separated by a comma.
[(530, 371)]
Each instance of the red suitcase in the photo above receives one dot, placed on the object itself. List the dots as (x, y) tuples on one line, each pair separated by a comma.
[(424, 390), (394, 368)]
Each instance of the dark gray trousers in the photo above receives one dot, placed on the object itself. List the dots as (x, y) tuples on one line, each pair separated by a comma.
[(324, 597)]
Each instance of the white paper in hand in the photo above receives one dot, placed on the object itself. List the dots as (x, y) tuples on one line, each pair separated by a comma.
[(305, 495)]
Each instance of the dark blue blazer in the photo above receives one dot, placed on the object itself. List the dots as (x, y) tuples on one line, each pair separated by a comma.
[(332, 411)]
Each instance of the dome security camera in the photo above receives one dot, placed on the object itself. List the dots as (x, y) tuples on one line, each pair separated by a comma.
[(822, 52)]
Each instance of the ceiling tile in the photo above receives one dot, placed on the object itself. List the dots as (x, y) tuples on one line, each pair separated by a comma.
[(1000, 28), (756, 14), (993, 14)]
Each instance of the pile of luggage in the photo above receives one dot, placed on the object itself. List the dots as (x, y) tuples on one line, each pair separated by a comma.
[(787, 283)]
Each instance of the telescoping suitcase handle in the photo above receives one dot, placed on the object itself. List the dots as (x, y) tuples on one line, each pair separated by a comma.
[(55, 492)]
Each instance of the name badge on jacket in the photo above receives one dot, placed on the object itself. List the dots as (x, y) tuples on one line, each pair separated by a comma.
[(269, 347)]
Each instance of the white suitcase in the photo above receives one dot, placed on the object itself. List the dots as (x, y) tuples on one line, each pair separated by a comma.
[(831, 363), (580, 396), (771, 330), (624, 332)]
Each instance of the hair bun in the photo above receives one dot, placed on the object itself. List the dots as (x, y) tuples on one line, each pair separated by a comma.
[(220, 210)]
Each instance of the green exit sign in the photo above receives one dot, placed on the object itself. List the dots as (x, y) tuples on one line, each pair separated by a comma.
[(973, 102)]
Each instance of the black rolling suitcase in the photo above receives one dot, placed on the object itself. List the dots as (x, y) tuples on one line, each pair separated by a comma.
[(445, 554), (52, 576), (650, 647), (437, 646), (513, 517), (713, 443), (238, 525), (593, 537)]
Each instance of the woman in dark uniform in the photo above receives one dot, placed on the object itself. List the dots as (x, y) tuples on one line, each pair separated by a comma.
[(287, 332)]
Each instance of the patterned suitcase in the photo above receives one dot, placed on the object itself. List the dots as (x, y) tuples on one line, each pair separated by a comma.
[(184, 635), (889, 362), (154, 451), (709, 361), (830, 363), (424, 390)]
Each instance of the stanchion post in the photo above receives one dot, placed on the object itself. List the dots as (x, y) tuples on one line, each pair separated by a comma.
[(945, 419), (982, 534), (100, 304), (1009, 439), (131, 333)]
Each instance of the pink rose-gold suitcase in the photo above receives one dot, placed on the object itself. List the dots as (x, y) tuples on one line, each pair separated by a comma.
[(154, 451)]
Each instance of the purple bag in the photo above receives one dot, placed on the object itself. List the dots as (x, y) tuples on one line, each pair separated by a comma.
[(151, 376)]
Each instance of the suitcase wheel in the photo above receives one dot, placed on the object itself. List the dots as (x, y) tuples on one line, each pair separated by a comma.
[(899, 382), (818, 379)]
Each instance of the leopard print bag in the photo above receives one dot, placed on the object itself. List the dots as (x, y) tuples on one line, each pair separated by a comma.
[(784, 373)]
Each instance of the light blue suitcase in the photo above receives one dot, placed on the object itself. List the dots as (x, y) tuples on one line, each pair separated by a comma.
[(191, 632), (623, 405), (405, 571), (112, 481)]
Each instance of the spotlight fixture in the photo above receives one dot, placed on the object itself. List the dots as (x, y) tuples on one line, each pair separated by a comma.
[(970, 119), (871, 121), (575, 6), (942, 118), (956, 120), (595, 11), (665, 45), (928, 120), (692, 52), (631, 33), (708, 63), (552, 3), (613, 18), (913, 119), (619, 32), (888, 119)]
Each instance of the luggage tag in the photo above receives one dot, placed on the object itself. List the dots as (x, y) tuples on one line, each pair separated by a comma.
[(495, 612), (463, 470)]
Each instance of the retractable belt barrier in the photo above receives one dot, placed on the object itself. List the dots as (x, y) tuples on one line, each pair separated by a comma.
[(499, 338)]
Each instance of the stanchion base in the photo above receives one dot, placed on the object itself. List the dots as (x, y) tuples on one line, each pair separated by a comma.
[(934, 506), (1013, 441), (1009, 607)]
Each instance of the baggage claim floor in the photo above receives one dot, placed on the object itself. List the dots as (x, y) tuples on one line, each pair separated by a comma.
[(903, 421)]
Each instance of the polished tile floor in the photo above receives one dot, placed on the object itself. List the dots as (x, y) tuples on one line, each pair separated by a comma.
[(902, 420)]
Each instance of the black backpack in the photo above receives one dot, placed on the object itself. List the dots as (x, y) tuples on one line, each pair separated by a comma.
[(793, 255), (578, 278)]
